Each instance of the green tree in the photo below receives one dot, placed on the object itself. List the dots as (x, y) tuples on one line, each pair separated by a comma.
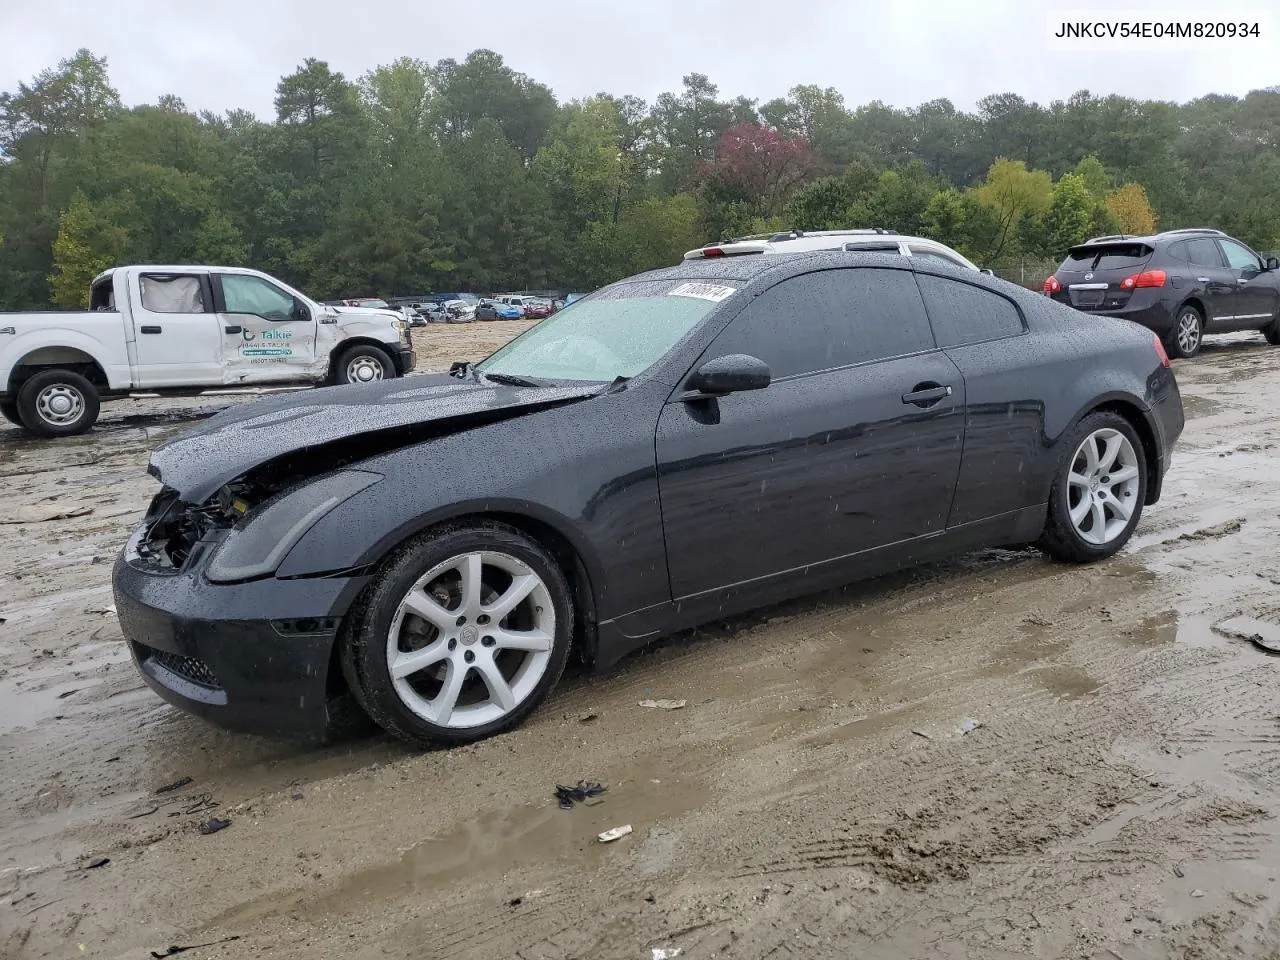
[(88, 242), (1094, 176), (1010, 192), (1068, 217)]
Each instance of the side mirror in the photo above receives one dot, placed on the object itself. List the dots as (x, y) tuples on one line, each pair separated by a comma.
[(1273, 263), (730, 374), (988, 271), (300, 313)]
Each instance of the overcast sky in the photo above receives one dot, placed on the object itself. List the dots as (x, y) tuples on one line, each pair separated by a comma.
[(219, 54)]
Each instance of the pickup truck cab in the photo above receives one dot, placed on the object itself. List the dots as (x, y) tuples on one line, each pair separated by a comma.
[(186, 331)]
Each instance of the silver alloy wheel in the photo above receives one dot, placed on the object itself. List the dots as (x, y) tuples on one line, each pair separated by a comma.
[(1188, 332), (364, 369), (471, 639), (60, 404), (1102, 487)]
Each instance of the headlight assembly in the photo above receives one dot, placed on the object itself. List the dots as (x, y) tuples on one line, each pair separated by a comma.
[(256, 545)]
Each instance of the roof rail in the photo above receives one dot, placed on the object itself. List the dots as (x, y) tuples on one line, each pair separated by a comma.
[(1211, 230)]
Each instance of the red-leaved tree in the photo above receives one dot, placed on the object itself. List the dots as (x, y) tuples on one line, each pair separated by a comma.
[(763, 163)]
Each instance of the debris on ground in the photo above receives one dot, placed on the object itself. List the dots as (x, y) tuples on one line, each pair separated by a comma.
[(617, 833), (97, 862), (967, 725), (176, 785), (214, 825), (1197, 893), (1210, 533), (665, 704), (588, 717), (174, 951), (666, 953), (143, 808), (921, 733), (567, 796), (40, 512), (1265, 636)]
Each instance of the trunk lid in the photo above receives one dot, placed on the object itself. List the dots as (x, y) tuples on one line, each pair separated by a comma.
[(1092, 273)]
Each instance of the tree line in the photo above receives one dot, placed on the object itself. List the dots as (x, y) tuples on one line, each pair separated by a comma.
[(469, 175)]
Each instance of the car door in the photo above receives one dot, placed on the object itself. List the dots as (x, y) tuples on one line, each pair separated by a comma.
[(1213, 280), (177, 338), (269, 334), (985, 335), (1255, 298), (855, 444)]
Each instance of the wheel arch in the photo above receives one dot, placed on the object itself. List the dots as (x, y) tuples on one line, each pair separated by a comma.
[(59, 358), (1193, 301)]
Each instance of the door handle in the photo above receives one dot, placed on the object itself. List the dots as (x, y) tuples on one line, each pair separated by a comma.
[(234, 329), (149, 330), (1202, 280), (1241, 280), (926, 394)]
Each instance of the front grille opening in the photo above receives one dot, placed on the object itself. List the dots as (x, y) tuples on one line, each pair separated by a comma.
[(191, 669)]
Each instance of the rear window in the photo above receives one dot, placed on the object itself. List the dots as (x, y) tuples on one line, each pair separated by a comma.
[(1113, 256)]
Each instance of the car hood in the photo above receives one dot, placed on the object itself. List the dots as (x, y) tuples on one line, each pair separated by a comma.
[(338, 424)]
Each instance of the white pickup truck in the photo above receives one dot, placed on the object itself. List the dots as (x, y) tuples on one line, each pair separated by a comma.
[(186, 331)]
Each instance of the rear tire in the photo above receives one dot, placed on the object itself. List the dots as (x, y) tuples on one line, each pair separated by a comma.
[(464, 632), (1187, 336), (1103, 473), (1272, 332), (58, 403)]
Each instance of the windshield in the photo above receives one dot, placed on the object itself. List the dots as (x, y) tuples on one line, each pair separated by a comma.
[(620, 331)]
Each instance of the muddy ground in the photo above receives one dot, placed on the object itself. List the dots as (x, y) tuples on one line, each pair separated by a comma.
[(814, 799)]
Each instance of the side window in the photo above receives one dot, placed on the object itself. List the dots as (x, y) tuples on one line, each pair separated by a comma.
[(246, 294), (962, 313), (1203, 252), (831, 318), (929, 255), (1239, 257), (1178, 251), (172, 293)]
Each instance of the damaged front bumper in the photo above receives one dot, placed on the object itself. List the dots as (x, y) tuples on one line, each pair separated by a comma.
[(256, 657), (404, 359)]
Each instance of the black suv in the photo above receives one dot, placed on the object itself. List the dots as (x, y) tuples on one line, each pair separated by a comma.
[(1181, 283)]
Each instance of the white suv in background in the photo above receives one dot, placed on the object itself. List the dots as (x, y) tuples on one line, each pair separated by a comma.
[(860, 241)]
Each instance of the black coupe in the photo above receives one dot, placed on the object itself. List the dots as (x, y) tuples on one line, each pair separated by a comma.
[(673, 448)]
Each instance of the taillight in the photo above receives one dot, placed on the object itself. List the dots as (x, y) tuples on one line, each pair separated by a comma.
[(1148, 278), (712, 252), (1161, 352), (1051, 285)]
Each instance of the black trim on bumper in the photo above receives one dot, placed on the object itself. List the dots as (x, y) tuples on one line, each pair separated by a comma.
[(405, 359), (253, 657)]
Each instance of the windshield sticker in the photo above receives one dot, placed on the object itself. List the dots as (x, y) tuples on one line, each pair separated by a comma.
[(703, 291)]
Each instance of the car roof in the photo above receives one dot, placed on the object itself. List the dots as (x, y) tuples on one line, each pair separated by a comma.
[(747, 269), (1151, 239)]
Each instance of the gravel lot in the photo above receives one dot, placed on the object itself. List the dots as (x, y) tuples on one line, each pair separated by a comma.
[(815, 798)]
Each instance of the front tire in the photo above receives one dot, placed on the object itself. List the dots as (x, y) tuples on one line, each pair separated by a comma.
[(57, 403), (464, 632), (363, 363), (1187, 335), (1098, 492), (1272, 332)]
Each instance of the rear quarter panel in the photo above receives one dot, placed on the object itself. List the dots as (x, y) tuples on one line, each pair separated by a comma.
[(53, 338)]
